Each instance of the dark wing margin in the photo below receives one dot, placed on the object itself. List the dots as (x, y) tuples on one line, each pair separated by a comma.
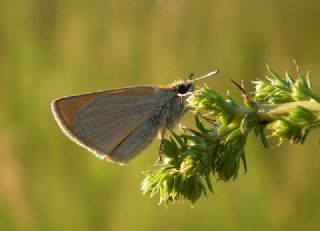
[(100, 121)]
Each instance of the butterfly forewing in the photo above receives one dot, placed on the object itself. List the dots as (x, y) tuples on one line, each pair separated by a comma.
[(102, 121)]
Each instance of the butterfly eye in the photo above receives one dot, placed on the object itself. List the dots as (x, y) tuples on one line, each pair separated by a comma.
[(184, 88)]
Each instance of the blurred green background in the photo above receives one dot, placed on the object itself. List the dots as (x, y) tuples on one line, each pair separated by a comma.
[(53, 48)]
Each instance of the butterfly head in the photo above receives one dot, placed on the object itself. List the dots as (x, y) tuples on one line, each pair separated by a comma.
[(183, 86)]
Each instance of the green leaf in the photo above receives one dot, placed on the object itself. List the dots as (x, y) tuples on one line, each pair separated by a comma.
[(217, 148), (249, 121)]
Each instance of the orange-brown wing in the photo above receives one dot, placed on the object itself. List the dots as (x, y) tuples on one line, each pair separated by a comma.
[(101, 121)]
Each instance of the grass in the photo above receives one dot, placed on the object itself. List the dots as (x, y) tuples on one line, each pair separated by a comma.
[(52, 48)]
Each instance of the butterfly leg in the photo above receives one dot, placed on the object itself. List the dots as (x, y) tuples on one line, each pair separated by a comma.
[(161, 137)]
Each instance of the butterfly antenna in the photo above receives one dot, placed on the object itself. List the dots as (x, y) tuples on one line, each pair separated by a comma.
[(206, 76), (190, 76)]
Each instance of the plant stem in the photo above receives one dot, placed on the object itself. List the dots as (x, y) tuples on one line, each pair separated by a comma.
[(266, 111)]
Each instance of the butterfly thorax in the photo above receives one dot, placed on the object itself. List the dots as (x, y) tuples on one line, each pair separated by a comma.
[(175, 106)]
